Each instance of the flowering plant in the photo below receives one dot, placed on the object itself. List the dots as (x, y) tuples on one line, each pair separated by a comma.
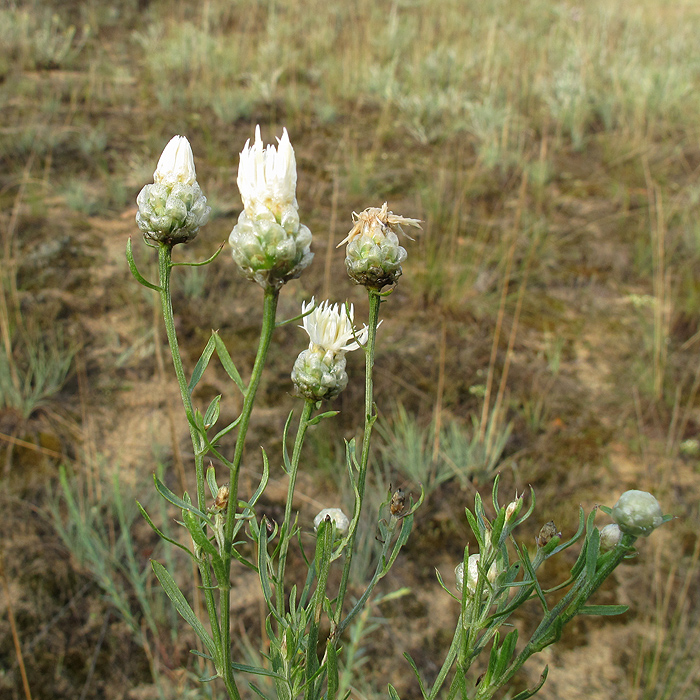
[(272, 247)]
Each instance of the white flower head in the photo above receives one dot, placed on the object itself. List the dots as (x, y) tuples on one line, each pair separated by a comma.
[(176, 164), (267, 176), (339, 519), (331, 328)]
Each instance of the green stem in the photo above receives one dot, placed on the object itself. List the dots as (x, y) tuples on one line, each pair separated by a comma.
[(285, 535), (373, 321), (565, 610), (268, 326), (164, 268)]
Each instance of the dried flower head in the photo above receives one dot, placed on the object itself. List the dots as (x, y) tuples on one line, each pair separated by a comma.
[(378, 221), (547, 533), (373, 257)]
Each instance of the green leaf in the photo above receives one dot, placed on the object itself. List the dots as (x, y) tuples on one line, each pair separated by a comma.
[(204, 262), (257, 670), (529, 693), (475, 528), (182, 606), (147, 518), (317, 419), (286, 462), (212, 413), (226, 430), (201, 365), (263, 572), (506, 652), (412, 663), (169, 496), (525, 558), (603, 609), (444, 587), (227, 362), (211, 480), (392, 693), (134, 270), (592, 550)]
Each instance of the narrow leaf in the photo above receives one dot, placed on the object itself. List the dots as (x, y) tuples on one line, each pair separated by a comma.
[(201, 365), (211, 481), (227, 362), (529, 693), (169, 496), (181, 605), (147, 518), (317, 419), (603, 609), (134, 270)]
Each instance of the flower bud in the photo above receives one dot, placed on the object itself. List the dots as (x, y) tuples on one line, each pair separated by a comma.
[(336, 516), (610, 537), (373, 257), (319, 372), (269, 244), (473, 576), (317, 377), (513, 508), (637, 513), (173, 208)]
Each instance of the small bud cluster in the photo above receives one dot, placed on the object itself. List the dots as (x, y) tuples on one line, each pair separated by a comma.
[(173, 208), (269, 243)]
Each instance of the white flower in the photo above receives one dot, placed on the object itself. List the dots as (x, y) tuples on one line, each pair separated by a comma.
[(267, 177), (331, 328), (176, 164), (337, 517)]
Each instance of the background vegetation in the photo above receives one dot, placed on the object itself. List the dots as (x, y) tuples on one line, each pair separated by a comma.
[(546, 326)]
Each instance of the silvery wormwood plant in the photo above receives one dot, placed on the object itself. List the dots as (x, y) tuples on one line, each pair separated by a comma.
[(271, 247)]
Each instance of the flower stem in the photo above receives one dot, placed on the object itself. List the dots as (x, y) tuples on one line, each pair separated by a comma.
[(164, 269), (370, 417), (268, 326), (286, 534)]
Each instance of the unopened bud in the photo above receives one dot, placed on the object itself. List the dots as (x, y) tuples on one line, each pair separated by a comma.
[(473, 575), (610, 537), (637, 513), (336, 516), (513, 508)]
